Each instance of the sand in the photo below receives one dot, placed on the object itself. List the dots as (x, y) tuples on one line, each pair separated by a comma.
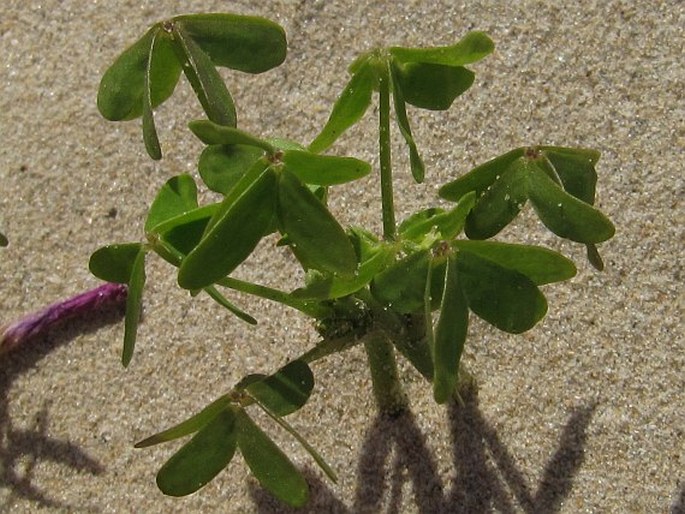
[(584, 413)]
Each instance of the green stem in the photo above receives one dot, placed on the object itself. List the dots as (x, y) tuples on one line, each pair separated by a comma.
[(311, 309), (387, 388), (387, 198)]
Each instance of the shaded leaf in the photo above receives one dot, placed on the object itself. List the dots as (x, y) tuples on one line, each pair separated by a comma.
[(222, 166), (316, 237), (433, 86), (285, 391), (270, 466), (177, 236), (211, 133), (208, 85), (564, 214), (576, 169), (176, 197), (324, 170), (134, 302), (202, 458), (539, 264), (450, 334), (348, 109), (415, 162), (469, 49), (190, 425), (122, 88), (503, 297), (247, 43), (233, 237)]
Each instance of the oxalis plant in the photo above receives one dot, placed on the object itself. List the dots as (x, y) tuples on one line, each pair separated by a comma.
[(407, 292)]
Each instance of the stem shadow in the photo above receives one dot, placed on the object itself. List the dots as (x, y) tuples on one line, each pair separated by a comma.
[(396, 461), (21, 448)]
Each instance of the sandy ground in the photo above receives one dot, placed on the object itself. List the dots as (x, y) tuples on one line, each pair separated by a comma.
[(585, 413)]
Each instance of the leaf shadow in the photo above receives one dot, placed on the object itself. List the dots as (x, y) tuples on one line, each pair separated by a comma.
[(485, 477), (22, 449)]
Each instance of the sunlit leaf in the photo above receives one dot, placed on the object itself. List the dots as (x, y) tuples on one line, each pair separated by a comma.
[(433, 86), (503, 297), (202, 458), (324, 170), (270, 466), (576, 169), (471, 48), (450, 334), (539, 264), (190, 425), (176, 197), (285, 391), (221, 166), (316, 236), (134, 302), (233, 237), (224, 302), (348, 109), (114, 263), (246, 43)]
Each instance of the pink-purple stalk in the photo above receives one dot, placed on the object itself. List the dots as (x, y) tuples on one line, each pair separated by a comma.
[(106, 296)]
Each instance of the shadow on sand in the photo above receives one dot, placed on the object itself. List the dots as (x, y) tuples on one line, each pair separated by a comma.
[(23, 448), (486, 479)]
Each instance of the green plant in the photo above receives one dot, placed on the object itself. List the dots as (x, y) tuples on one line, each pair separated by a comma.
[(409, 291)]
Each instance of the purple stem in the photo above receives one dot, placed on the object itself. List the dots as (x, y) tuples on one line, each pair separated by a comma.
[(105, 296)]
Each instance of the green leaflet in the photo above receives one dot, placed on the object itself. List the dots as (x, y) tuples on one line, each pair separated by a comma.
[(450, 334), (348, 109), (469, 49), (539, 264), (208, 85), (222, 166), (503, 297), (415, 161), (134, 302), (122, 90), (275, 472), (316, 237), (175, 198), (202, 458), (234, 235), (285, 391), (432, 86), (245, 43), (114, 263), (190, 425), (211, 133), (324, 170)]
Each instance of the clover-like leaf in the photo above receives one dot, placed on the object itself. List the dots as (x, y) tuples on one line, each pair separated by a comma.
[(349, 108), (122, 91), (541, 265), (211, 133), (176, 197), (432, 86), (233, 237), (415, 161), (564, 214), (503, 297), (202, 458), (575, 167), (285, 391), (114, 263), (270, 466), (469, 49), (324, 170), (450, 334), (316, 237), (176, 237), (190, 425), (134, 303), (222, 166), (246, 43)]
